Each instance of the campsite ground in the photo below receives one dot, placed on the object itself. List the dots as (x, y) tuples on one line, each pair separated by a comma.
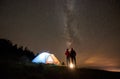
[(42, 71)]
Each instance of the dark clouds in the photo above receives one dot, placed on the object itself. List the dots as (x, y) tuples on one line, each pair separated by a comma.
[(39, 25)]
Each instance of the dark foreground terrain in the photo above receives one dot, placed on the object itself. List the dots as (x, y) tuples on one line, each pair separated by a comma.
[(15, 63), (42, 71)]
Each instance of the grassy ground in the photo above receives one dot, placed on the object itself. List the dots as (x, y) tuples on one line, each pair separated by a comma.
[(42, 71)]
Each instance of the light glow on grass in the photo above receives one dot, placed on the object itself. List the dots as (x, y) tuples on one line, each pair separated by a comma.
[(72, 66)]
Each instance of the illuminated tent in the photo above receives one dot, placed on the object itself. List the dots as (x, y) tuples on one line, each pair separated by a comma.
[(46, 58)]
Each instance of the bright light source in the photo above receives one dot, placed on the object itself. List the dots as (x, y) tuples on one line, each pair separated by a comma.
[(49, 60), (41, 58), (72, 65)]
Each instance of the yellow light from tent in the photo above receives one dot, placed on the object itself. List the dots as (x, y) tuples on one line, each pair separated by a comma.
[(50, 60)]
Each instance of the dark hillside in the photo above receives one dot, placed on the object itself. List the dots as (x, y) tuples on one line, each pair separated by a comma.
[(42, 71)]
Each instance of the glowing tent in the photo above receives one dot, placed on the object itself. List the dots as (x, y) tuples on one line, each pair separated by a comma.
[(46, 58)]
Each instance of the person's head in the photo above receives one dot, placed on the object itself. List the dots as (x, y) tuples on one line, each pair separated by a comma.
[(67, 49), (71, 48)]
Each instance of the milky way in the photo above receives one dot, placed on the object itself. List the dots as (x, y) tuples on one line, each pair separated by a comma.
[(70, 26)]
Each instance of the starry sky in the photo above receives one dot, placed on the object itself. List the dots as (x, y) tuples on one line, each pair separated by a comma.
[(39, 25)]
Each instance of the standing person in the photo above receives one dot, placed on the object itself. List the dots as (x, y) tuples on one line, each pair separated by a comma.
[(67, 53), (73, 56)]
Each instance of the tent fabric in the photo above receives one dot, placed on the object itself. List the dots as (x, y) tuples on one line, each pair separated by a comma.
[(46, 58)]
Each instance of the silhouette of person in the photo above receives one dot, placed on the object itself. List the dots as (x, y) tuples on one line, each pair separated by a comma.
[(73, 56), (67, 53)]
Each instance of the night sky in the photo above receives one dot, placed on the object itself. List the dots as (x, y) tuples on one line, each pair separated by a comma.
[(40, 25)]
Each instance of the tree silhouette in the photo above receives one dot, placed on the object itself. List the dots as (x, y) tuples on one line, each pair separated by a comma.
[(12, 52)]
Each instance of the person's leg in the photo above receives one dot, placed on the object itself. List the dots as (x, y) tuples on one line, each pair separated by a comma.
[(72, 59), (75, 60), (67, 61)]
